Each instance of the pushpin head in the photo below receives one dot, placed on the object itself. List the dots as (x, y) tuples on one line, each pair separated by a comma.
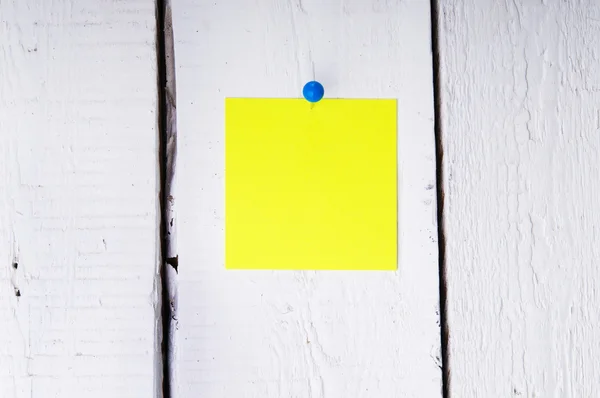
[(313, 91)]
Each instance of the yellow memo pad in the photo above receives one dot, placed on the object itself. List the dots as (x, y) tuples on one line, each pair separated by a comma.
[(310, 186)]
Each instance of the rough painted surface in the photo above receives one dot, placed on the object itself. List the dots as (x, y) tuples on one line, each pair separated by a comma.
[(78, 199), (304, 334), (521, 88)]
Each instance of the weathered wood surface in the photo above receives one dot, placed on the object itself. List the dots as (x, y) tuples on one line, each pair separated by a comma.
[(78, 199), (300, 334), (520, 95)]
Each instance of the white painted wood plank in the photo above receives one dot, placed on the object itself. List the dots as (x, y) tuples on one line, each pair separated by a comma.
[(78, 199), (521, 88), (299, 334)]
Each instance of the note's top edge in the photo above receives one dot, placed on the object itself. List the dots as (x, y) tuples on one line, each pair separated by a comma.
[(302, 99)]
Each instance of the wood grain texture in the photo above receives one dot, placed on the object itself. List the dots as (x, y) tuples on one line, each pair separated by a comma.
[(304, 334), (78, 199), (521, 88)]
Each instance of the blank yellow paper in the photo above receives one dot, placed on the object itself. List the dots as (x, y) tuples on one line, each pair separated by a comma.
[(310, 186)]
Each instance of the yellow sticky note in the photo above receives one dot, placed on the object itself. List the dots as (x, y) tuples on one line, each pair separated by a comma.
[(310, 186)]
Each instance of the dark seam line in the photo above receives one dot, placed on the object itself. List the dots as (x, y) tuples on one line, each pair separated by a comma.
[(162, 159), (439, 157)]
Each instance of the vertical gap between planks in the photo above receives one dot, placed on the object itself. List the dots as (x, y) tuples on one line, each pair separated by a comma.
[(439, 156), (167, 159)]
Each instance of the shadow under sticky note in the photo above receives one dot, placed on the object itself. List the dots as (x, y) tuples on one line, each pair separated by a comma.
[(310, 186)]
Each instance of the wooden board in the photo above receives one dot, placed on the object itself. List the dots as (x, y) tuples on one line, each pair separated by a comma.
[(521, 88), (299, 334), (78, 199)]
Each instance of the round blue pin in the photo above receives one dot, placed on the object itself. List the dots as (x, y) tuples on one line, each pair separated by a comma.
[(313, 91)]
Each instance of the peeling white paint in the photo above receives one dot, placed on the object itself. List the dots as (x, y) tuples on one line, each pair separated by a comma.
[(521, 89), (304, 334), (78, 199)]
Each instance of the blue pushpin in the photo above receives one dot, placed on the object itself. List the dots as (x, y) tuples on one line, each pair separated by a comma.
[(313, 91)]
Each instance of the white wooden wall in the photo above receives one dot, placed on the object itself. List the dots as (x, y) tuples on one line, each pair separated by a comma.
[(521, 135), (79, 209), (304, 334), (78, 199)]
